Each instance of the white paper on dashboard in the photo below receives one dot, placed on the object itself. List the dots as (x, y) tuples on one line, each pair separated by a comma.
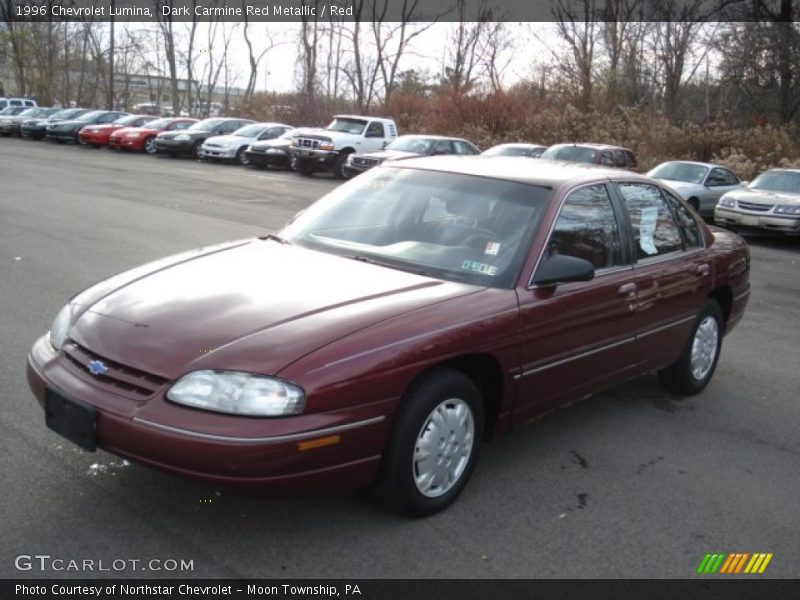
[(647, 230)]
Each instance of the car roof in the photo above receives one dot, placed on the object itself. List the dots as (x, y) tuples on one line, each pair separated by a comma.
[(361, 118), (781, 171), (518, 145), (693, 162), (591, 145), (432, 137), (549, 173)]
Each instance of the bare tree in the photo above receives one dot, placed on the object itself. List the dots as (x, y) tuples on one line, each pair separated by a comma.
[(463, 59), (576, 21), (255, 58)]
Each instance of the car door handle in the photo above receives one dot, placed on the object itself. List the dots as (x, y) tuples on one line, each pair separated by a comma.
[(702, 270), (627, 289)]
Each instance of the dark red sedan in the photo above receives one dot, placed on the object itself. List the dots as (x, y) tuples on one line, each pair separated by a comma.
[(98, 135), (393, 326), (143, 139)]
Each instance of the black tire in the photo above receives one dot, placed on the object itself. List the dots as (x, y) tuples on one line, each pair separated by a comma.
[(680, 377), (695, 204), (149, 145), (338, 167), (241, 157), (196, 149), (396, 485), (304, 167)]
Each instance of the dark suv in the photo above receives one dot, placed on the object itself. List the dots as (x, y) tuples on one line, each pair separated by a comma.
[(596, 154)]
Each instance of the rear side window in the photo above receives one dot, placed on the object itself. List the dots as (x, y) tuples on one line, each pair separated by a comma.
[(654, 229), (463, 148), (721, 177), (375, 129), (587, 228)]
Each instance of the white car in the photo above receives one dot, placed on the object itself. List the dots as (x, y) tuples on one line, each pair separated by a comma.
[(233, 146), (770, 202), (700, 184)]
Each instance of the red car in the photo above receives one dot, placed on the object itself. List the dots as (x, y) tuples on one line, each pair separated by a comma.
[(98, 135), (393, 326), (142, 139)]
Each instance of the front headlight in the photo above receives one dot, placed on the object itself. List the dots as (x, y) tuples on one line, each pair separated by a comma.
[(275, 151), (182, 137), (60, 327), (326, 146), (729, 202), (238, 393), (787, 209), (133, 134)]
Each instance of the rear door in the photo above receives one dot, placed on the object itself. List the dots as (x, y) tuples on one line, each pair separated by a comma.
[(577, 336), (672, 271)]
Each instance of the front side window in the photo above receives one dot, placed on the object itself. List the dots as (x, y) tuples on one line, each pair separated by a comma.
[(442, 147), (446, 225), (587, 228), (375, 129), (654, 229), (687, 223)]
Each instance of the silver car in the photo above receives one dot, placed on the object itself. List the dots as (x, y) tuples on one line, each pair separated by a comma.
[(771, 201), (233, 146), (700, 184)]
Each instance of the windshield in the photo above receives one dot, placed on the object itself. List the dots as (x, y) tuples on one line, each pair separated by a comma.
[(778, 181), (128, 120), (207, 125), (89, 116), (158, 123), (418, 145), (12, 110), (678, 171), (571, 153), (250, 131), (33, 112), (355, 126), (446, 225)]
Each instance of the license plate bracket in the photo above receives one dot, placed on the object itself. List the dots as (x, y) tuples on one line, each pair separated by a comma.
[(73, 420)]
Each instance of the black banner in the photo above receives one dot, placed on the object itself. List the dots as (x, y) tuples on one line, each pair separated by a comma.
[(385, 10), (388, 589)]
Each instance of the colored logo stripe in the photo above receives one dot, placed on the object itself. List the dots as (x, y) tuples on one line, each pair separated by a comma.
[(734, 563)]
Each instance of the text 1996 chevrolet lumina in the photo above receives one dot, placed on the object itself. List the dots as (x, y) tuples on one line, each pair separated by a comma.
[(393, 326)]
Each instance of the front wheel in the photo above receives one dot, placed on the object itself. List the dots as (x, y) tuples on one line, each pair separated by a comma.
[(196, 149), (433, 446), (339, 169), (241, 157), (690, 374), (149, 145)]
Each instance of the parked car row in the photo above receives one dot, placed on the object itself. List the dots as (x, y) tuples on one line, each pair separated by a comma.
[(353, 144)]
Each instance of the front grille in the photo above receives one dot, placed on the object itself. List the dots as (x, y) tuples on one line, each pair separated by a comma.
[(365, 162), (135, 383), (757, 207), (213, 146), (307, 143)]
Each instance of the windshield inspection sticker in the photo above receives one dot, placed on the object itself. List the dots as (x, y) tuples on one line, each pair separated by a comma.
[(478, 267), (492, 248), (647, 230)]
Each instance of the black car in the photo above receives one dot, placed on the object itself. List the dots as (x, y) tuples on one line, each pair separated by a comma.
[(10, 125), (273, 153), (189, 140), (37, 128), (529, 150), (409, 146), (67, 131)]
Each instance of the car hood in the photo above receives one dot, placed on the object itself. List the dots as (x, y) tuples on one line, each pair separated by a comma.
[(391, 155), (256, 306), (106, 126), (224, 140), (684, 188), (73, 123), (168, 135), (764, 196)]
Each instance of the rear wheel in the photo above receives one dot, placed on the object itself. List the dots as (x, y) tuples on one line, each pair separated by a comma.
[(433, 445), (196, 149), (149, 145), (694, 368)]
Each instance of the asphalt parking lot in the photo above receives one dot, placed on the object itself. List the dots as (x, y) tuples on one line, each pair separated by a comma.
[(634, 482)]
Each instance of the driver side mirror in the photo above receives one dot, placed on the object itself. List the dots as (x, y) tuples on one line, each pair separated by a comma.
[(561, 268)]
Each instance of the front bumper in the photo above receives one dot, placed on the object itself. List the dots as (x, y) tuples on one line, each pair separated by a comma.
[(66, 135), (218, 153), (319, 158), (36, 133), (264, 159), (9, 128), (125, 143), (735, 219), (174, 147), (214, 447), (93, 138)]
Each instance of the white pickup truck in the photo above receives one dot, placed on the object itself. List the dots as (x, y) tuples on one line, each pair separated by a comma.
[(327, 149)]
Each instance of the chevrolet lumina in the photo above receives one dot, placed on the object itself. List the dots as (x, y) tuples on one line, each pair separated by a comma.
[(395, 324)]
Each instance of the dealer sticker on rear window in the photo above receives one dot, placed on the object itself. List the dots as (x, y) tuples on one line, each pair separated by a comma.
[(479, 267)]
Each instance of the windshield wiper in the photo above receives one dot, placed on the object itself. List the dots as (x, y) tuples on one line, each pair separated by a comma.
[(276, 238), (391, 265)]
